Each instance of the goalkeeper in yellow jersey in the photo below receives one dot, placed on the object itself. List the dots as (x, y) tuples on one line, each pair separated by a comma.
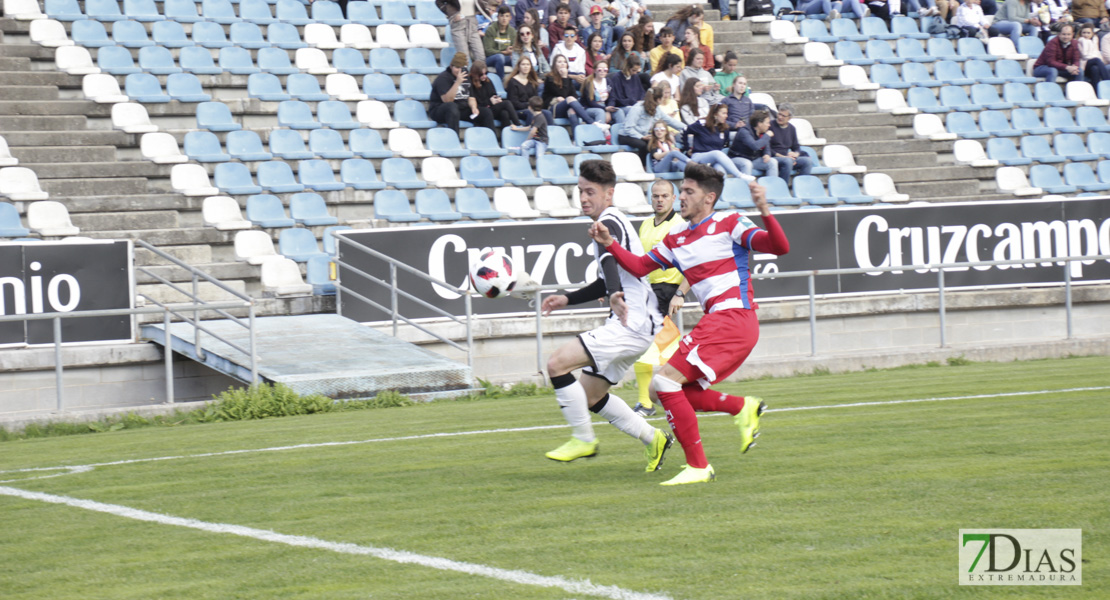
[(669, 287)]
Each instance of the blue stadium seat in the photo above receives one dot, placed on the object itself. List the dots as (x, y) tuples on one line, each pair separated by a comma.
[(1081, 176), (1048, 179), (1037, 148), (1010, 70), (276, 176), (185, 87), (942, 49), (1004, 151), (845, 30), (849, 52), (318, 275), (399, 173), (276, 61), (887, 75), (216, 116), (949, 72), (266, 86), (1104, 171), (116, 60), (846, 188), (815, 31), (1030, 45), (483, 142), (169, 34), (517, 170), (875, 28), (963, 125), (987, 96), (923, 100), (980, 71), (90, 34), (581, 158), (350, 61), (10, 224), (328, 143), (1099, 143), (295, 114), (912, 51), (1052, 94), (397, 12), (414, 86), (778, 193), (558, 141), (181, 11), (234, 178), (327, 12), (591, 136), (64, 10), (905, 27), (379, 86), (512, 139), (359, 173), (209, 35), (329, 235), (247, 35), (336, 115), (434, 205), (478, 171), (972, 48), (1091, 118), (310, 210), (367, 143), (203, 146), (254, 11), (445, 142), (289, 145), (292, 12), (880, 51), (266, 210), (142, 11), (1071, 146), (421, 60), (130, 34), (1019, 95), (1059, 119), (426, 12), (317, 175), (411, 113), (219, 11), (1028, 122), (145, 88), (818, 167), (737, 193), (995, 123), (914, 74), (363, 13), (155, 60), (284, 36), (953, 97), (105, 11), (474, 204), (197, 59), (305, 87), (809, 189), (237, 61), (394, 206), (246, 146), (554, 170), (299, 245)]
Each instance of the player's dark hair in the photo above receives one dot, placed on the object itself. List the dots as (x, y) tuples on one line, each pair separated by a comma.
[(710, 180), (599, 172)]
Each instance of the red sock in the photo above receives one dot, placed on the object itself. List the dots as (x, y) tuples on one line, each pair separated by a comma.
[(684, 422), (711, 401)]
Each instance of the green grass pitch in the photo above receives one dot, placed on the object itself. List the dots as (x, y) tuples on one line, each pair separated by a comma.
[(835, 502)]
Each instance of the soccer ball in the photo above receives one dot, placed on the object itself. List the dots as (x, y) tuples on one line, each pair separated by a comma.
[(493, 275)]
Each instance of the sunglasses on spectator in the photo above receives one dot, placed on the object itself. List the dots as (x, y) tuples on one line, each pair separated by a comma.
[(570, 34)]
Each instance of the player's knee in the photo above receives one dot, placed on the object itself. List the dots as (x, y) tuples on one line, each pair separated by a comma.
[(662, 383)]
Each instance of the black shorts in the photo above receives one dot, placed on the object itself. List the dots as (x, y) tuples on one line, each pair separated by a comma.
[(664, 292)]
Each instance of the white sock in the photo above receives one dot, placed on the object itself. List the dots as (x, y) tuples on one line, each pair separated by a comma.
[(617, 412), (576, 410)]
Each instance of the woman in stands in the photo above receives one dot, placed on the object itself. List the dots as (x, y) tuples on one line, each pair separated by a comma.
[(692, 107), (1014, 19), (596, 96), (695, 70), (522, 84), (663, 152), (532, 20), (559, 94), (639, 121), (1090, 57), (626, 47), (692, 43), (644, 34), (482, 90), (594, 55), (708, 140), (669, 68), (705, 34), (526, 46), (626, 88)]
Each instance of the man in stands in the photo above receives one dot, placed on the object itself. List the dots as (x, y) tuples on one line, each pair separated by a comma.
[(785, 147), (450, 99), (604, 354), (1060, 57), (713, 251)]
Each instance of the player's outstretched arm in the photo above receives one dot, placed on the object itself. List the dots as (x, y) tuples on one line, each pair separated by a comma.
[(772, 239), (552, 303), (619, 307), (637, 265)]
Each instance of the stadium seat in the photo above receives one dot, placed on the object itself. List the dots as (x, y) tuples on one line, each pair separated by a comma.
[(629, 167), (363, 13), (295, 114), (554, 170), (292, 12), (143, 11), (397, 13), (1047, 178), (318, 176), (517, 170), (424, 35), (630, 198), (814, 30), (254, 247), (328, 144), (237, 61), (591, 136), (276, 177), (434, 205), (995, 123), (817, 168), (367, 143), (235, 178), (846, 189), (410, 113), (179, 11), (783, 31), (318, 274), (392, 35), (987, 96), (203, 146), (581, 158), (380, 86), (806, 135), (483, 142), (284, 36), (49, 33), (309, 209), (880, 51), (314, 61), (249, 35), (299, 245), (440, 172), (393, 206), (185, 87), (1037, 148), (478, 171), (375, 114), (737, 193), (1004, 151), (512, 202), (386, 60), (209, 35), (305, 87), (819, 53), (105, 11), (912, 51), (915, 74), (282, 277), (1059, 120), (63, 10), (399, 173), (930, 127), (110, 59), (90, 34), (335, 115), (48, 218), (979, 71), (276, 61), (359, 173), (1071, 147), (905, 27), (846, 31), (216, 116), (1028, 122), (512, 139), (1099, 143), (219, 11), (887, 76), (1013, 180), (963, 125), (809, 189), (132, 117), (145, 88), (1050, 93), (559, 141), (191, 180), (20, 183), (267, 211), (1104, 171), (1091, 118), (267, 87), (850, 53), (778, 193), (422, 61), (322, 36), (881, 186), (1018, 94), (6, 158), (942, 49), (474, 204), (356, 36), (1011, 71), (445, 142), (552, 201), (196, 59), (75, 60), (327, 12), (892, 101), (288, 144), (427, 12), (101, 88), (10, 224), (924, 100), (349, 61), (406, 142), (343, 87), (1081, 176), (246, 146), (953, 97), (329, 237), (839, 158), (256, 12), (972, 48)]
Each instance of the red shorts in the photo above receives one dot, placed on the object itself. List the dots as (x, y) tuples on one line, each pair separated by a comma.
[(717, 346)]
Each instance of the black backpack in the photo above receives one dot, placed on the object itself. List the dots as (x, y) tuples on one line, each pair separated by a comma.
[(754, 8)]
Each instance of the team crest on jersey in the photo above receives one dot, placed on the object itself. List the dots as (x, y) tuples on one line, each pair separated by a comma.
[(712, 229), (681, 240)]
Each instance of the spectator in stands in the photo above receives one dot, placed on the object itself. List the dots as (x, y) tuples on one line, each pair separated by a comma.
[(705, 34), (625, 86), (1060, 57), (485, 96), (1090, 57), (669, 103), (625, 47), (594, 52), (1053, 12), (692, 106), (575, 12), (1015, 20), (785, 147), (523, 84), (1089, 11), (924, 8), (881, 9), (537, 133), (669, 68), (596, 97), (680, 20), (451, 100), (636, 130), (523, 6), (663, 152), (971, 20), (751, 147), (693, 42), (666, 46), (739, 105), (463, 18), (946, 9), (711, 90), (556, 27), (644, 34), (727, 74), (707, 141), (575, 54), (559, 94), (818, 7), (599, 27), (498, 42), (526, 46), (539, 33), (626, 14)]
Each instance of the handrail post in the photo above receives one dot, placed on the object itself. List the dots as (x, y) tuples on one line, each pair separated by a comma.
[(59, 383), (167, 346), (1067, 295), (539, 333), (393, 295), (252, 348), (940, 307), (469, 331), (196, 318), (812, 315)]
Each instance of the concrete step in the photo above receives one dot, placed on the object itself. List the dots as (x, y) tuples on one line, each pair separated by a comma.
[(939, 173), (14, 78), (15, 63), (839, 135), (176, 202), (206, 291), (181, 236), (222, 271), (65, 154), (976, 198), (822, 121), (32, 51), (890, 146), (55, 107), (31, 92), (196, 254), (940, 189), (99, 170), (138, 221), (41, 122), (63, 188), (81, 137), (882, 162)]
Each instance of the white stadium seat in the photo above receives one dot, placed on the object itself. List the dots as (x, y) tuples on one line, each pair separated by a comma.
[(439, 172), (50, 33), (131, 118), (254, 247), (21, 183), (282, 277), (161, 148), (375, 114), (192, 180), (50, 219), (552, 201), (223, 213), (970, 152), (514, 203)]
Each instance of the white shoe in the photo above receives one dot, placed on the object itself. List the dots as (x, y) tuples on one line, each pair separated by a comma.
[(833, 15), (602, 126), (866, 12)]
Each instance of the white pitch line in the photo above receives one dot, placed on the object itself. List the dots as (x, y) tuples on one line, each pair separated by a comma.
[(399, 556), (70, 470)]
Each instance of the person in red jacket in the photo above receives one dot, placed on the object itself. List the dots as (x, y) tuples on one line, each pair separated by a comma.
[(1060, 57)]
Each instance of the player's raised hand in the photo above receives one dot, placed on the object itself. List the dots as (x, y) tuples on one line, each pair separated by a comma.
[(600, 234), (759, 197), (677, 302), (553, 302), (620, 308)]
